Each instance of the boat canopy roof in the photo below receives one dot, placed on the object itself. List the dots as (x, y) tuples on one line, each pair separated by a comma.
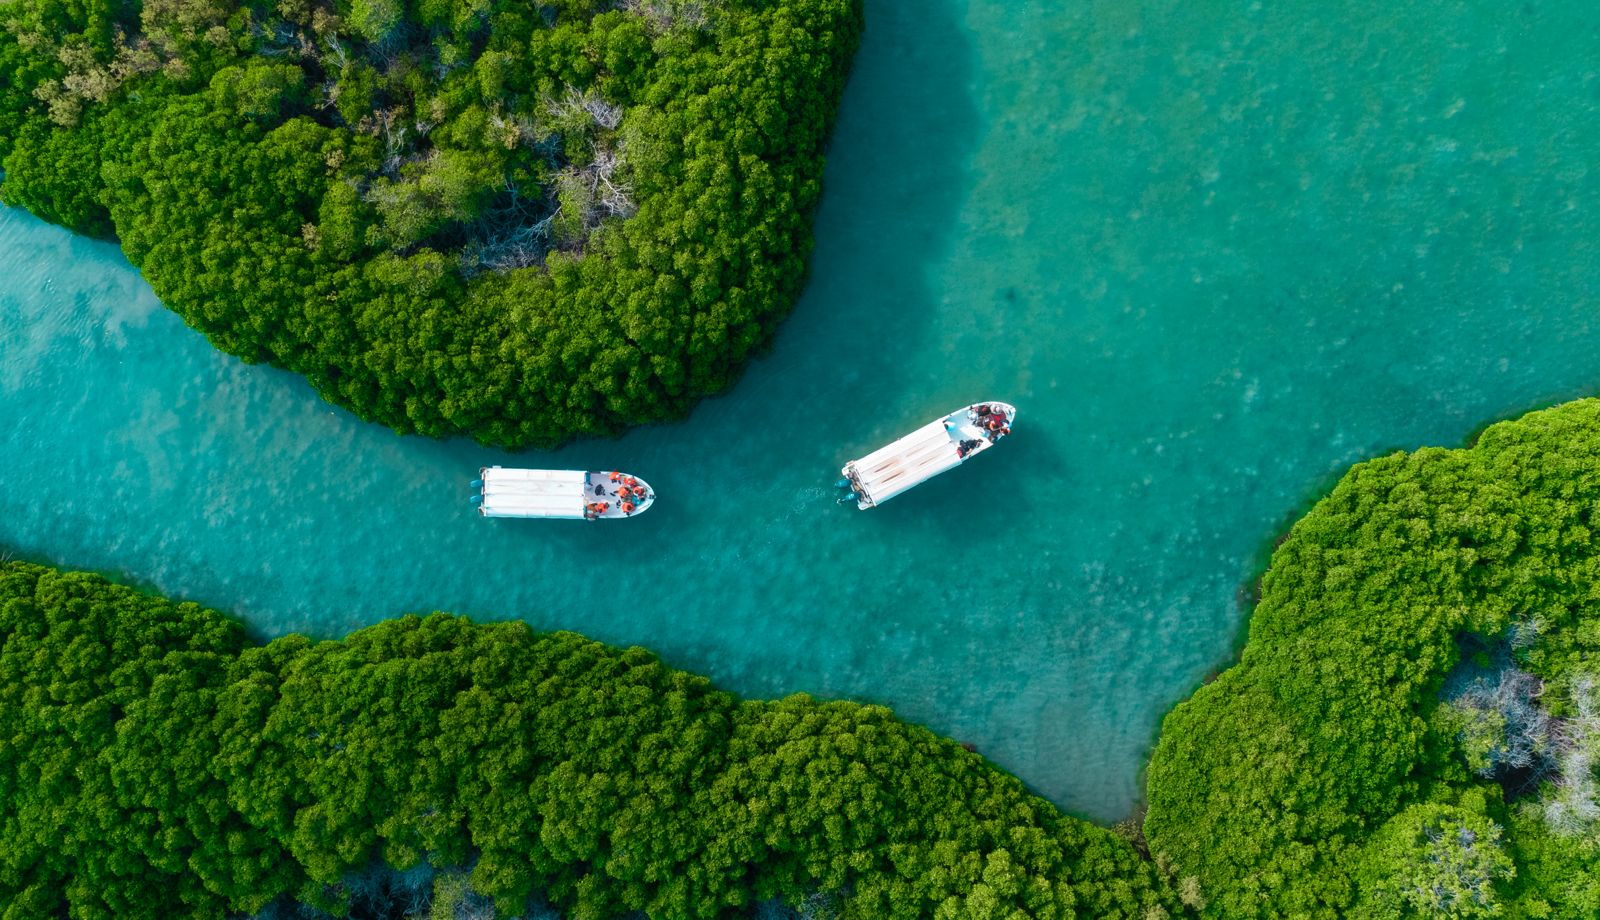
[(534, 493), (920, 455)]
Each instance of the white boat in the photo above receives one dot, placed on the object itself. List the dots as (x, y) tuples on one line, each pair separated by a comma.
[(570, 494), (942, 444)]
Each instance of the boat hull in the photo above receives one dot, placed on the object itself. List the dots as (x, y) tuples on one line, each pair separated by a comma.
[(937, 447), (562, 494)]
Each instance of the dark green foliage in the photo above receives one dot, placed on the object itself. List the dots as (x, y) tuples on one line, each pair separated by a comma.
[(1274, 784), (519, 222), (105, 783), (156, 766), (40, 152)]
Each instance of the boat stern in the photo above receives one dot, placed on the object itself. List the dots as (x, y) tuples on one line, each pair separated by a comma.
[(851, 483)]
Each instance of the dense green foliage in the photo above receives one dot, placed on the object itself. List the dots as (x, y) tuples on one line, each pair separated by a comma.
[(522, 222), (1413, 727), (155, 763)]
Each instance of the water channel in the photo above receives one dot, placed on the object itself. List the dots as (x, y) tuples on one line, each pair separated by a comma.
[(1215, 252)]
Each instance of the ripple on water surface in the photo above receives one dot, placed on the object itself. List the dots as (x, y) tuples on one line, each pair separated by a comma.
[(1214, 252)]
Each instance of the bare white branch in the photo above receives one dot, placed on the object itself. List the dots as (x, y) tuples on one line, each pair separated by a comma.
[(666, 15), (587, 106)]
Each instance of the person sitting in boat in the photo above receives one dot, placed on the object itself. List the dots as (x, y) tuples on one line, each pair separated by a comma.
[(627, 507), (615, 476)]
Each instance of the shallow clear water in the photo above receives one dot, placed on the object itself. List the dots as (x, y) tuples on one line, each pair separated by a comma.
[(1214, 252)]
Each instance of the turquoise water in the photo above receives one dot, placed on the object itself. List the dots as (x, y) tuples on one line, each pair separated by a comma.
[(1214, 252)]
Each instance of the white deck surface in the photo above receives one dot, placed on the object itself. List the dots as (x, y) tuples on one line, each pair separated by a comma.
[(608, 493), (920, 455)]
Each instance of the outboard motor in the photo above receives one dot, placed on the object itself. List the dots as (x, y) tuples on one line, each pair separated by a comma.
[(476, 499), (847, 491), (476, 483)]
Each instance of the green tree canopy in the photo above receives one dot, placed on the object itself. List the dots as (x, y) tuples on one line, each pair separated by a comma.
[(620, 193), (1330, 770), (1433, 860), (158, 765)]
